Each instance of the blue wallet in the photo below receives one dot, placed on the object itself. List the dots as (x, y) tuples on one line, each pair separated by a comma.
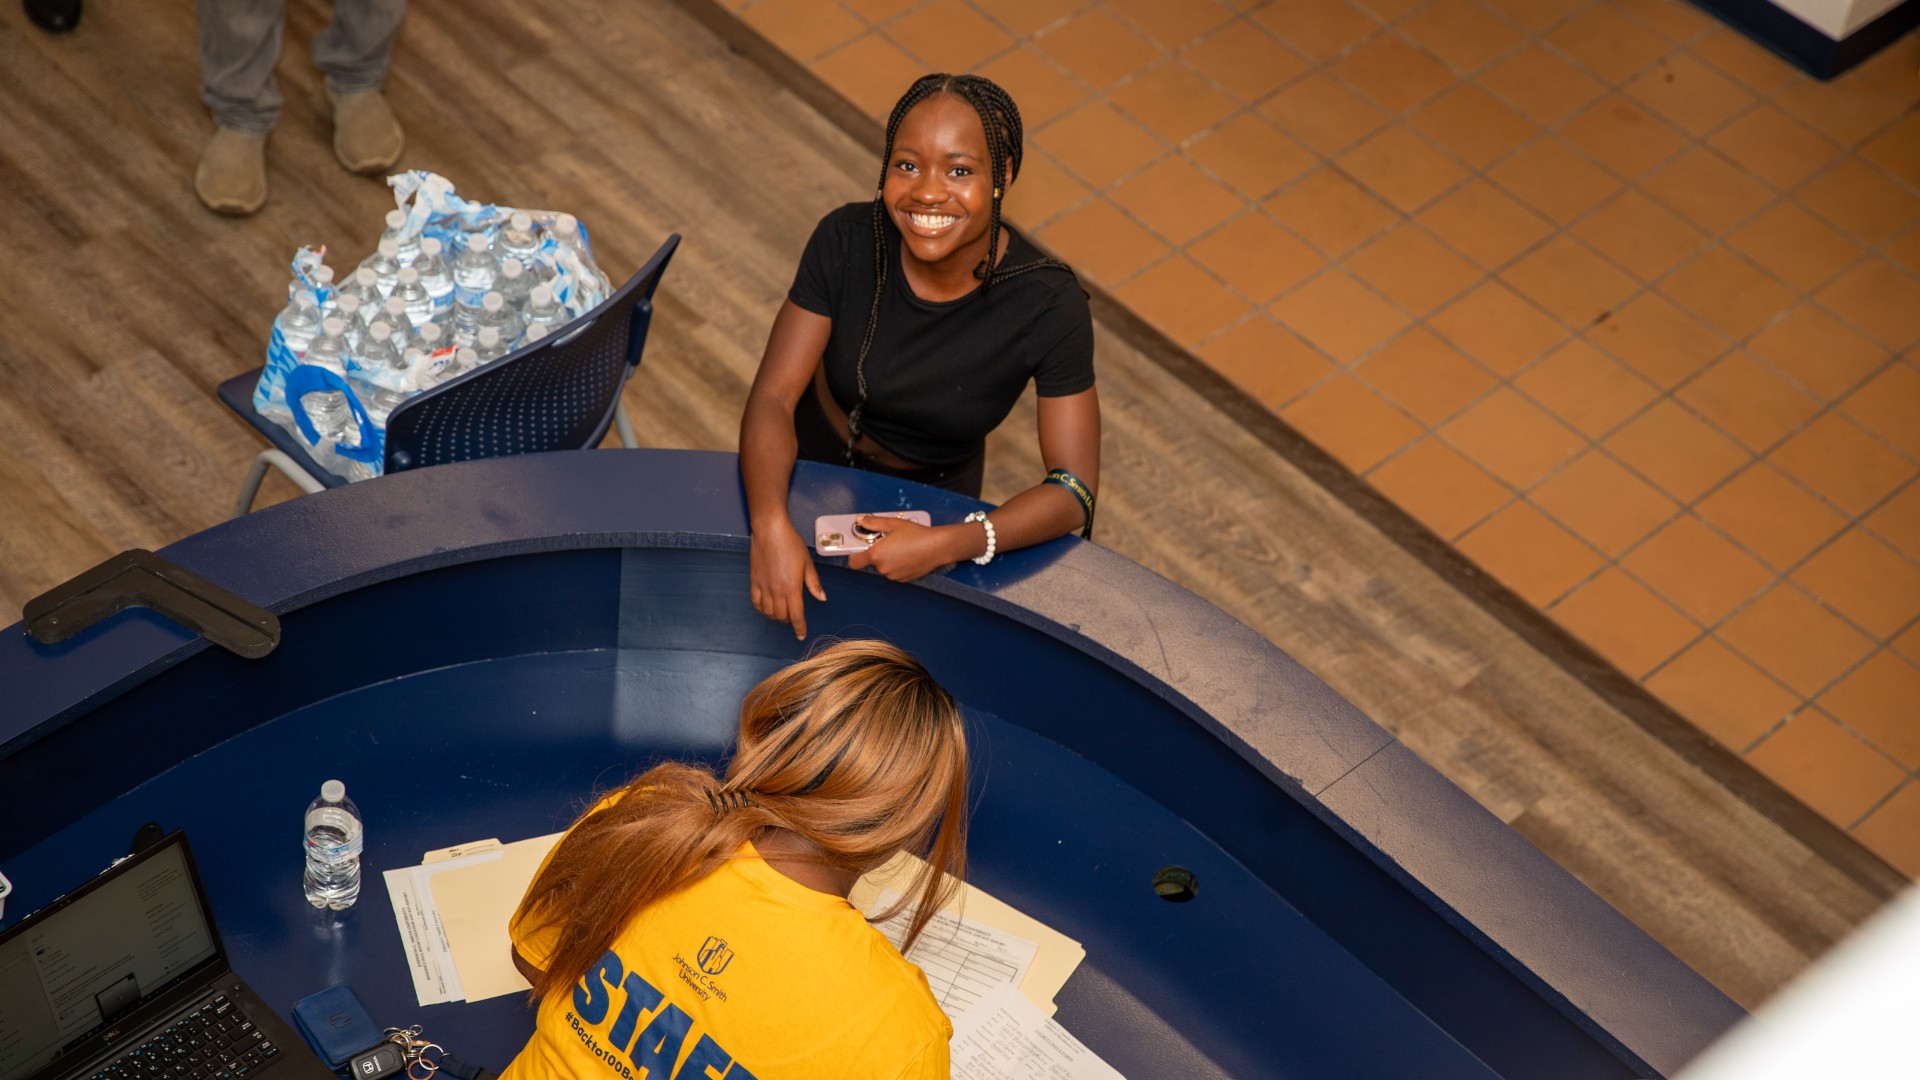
[(336, 1025)]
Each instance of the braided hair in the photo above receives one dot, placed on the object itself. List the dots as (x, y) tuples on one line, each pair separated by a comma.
[(1000, 118)]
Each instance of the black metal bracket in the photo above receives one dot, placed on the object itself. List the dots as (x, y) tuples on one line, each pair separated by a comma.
[(139, 578)]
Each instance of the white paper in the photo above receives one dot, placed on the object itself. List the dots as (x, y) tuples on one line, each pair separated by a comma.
[(429, 957), (963, 959), (1005, 1037)]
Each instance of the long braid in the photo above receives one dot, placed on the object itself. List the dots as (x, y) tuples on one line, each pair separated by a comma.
[(1000, 119)]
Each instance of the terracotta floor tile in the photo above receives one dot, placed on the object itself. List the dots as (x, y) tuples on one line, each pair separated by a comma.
[(1043, 91), (1625, 622), (1266, 361), (1751, 65), (1445, 491), (1845, 110), (1495, 326), (1699, 570), (1861, 577), (1425, 376), (1257, 257), (1540, 84), (1485, 224), (1677, 20), (1839, 460), (1795, 639), (1640, 234), (1586, 388), (1173, 24), (1252, 155), (1393, 73), (1728, 292), (1351, 422), (1332, 212), (1796, 246), (1402, 168), (1898, 520), (1101, 242), (1340, 315), (1568, 279), (1892, 831), (1881, 299), (1708, 191), (1322, 29), (1889, 405), (1528, 553), (1513, 438), (1891, 70), (1323, 113), (1098, 144), (1603, 503), (1177, 200), (1042, 191), (1878, 699), (1389, 10), (1536, 15), (1098, 47), (1695, 97), (1461, 32), (1246, 60), (1658, 340), (1819, 351), (1622, 135), (949, 35), (1729, 698), (875, 11), (1749, 400), (1025, 17), (1555, 179), (1826, 767), (1612, 45), (1771, 516), (1182, 301), (1474, 125), (1173, 101), (1775, 147), (1861, 200), (871, 72), (1905, 250), (1908, 644), (1413, 269), (1677, 451), (804, 29)]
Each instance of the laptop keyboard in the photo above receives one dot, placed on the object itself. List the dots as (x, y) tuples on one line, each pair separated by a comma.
[(213, 1042)]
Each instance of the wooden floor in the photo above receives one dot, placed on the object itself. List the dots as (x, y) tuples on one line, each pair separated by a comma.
[(123, 303)]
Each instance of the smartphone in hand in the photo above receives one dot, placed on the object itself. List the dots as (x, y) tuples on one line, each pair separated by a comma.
[(838, 534)]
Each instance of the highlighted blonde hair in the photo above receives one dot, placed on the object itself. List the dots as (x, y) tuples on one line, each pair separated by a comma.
[(855, 749)]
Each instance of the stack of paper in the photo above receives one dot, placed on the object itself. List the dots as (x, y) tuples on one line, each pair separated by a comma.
[(453, 910)]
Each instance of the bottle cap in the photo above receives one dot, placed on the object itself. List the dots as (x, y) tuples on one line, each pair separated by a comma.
[(333, 326), (365, 276), (389, 248), (521, 222), (409, 276), (543, 294), (511, 267), (333, 791), (565, 224), (323, 274), (536, 332), (350, 304), (395, 305), (493, 302), (467, 357), (430, 333), (489, 336), (478, 241), (380, 331), (396, 218), (430, 246)]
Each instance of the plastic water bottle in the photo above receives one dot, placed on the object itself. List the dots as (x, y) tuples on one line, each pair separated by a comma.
[(322, 276), (394, 314), (413, 296), (535, 332), (474, 270), (385, 264), (430, 339), (406, 245), (543, 310), (565, 231), (515, 285), (435, 276), (464, 360), (519, 240), (328, 409), (380, 373), (353, 314), (334, 839), (363, 283), (496, 314), (299, 322), (489, 346)]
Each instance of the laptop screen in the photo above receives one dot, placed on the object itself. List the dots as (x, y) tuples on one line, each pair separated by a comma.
[(93, 957)]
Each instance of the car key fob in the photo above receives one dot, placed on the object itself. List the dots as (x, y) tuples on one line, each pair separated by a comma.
[(381, 1061)]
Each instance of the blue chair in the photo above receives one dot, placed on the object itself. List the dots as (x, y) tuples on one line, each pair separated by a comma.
[(561, 393)]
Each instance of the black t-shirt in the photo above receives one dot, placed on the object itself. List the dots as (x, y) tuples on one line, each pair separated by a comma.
[(940, 376)]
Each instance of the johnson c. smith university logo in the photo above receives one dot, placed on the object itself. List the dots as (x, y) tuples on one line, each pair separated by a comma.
[(714, 956)]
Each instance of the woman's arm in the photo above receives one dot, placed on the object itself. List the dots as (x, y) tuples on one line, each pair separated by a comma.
[(780, 565), (1069, 439)]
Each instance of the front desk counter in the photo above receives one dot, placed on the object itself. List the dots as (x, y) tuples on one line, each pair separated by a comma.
[(477, 649)]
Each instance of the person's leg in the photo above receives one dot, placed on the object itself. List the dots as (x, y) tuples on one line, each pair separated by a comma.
[(239, 46), (354, 52)]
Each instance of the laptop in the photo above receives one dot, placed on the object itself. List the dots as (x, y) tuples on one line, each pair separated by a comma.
[(125, 979)]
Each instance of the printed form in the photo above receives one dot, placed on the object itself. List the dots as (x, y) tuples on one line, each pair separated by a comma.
[(964, 959), (1006, 1037)]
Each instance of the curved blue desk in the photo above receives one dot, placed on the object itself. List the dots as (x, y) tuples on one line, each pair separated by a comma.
[(477, 648)]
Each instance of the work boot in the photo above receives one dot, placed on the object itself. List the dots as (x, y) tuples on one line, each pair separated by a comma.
[(366, 137), (53, 16), (232, 177)]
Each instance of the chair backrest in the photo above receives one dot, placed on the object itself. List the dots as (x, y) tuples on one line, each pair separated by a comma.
[(558, 394)]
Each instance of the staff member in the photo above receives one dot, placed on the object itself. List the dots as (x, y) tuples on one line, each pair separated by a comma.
[(693, 922)]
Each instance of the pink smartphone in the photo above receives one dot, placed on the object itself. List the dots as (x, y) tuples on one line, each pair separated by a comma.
[(836, 534)]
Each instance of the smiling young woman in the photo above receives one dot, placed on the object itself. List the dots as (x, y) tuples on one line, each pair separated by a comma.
[(914, 324)]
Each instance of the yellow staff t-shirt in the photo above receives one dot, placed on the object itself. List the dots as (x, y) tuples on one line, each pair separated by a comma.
[(743, 974)]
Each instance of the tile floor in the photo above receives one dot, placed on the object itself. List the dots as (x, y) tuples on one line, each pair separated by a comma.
[(1602, 293)]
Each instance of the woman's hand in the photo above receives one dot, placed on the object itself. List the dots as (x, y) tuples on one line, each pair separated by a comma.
[(909, 550), (779, 568)]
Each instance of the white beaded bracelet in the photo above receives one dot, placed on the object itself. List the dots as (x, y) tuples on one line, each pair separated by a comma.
[(981, 517)]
